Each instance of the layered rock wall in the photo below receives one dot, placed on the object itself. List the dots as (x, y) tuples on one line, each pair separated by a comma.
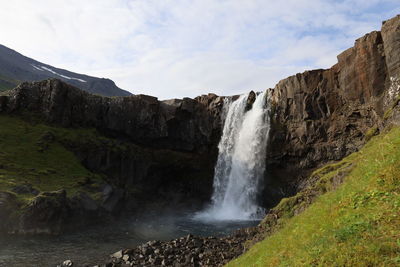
[(162, 150), (324, 115), (184, 125)]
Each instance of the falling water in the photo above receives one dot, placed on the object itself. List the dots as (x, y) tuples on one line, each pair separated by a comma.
[(241, 161)]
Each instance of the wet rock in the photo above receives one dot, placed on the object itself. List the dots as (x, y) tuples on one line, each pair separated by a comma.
[(125, 258), (186, 251), (8, 204), (111, 204), (250, 100), (67, 263), (83, 200), (117, 255), (46, 213)]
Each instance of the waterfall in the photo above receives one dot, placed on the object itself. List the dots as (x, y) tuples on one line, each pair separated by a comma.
[(241, 161)]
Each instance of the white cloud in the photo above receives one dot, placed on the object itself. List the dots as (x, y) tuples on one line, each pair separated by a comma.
[(177, 48)]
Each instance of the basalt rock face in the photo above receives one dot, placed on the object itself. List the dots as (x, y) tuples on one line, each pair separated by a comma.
[(162, 150), (324, 115), (176, 124)]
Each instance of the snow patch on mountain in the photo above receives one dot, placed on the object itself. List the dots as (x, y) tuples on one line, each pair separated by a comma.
[(43, 68)]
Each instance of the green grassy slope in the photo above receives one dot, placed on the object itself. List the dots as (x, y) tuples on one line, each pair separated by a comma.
[(33, 154), (357, 224)]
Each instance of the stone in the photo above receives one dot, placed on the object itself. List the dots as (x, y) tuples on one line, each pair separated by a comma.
[(125, 258), (67, 263), (117, 255), (85, 201), (46, 213)]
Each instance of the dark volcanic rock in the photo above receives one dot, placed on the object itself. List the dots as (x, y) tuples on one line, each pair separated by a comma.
[(250, 100), (185, 251), (165, 150), (173, 124), (46, 213), (8, 206), (323, 115)]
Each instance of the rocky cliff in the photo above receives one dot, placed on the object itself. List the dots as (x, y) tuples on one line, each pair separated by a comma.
[(183, 125), (163, 151), (324, 115)]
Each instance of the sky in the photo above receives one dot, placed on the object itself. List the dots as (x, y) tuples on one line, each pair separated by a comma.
[(185, 48)]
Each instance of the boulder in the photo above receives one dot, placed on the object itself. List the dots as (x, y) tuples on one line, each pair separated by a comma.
[(8, 205), (47, 213), (83, 201)]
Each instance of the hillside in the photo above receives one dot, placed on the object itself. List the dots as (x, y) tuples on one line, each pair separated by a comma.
[(43, 185), (16, 68), (356, 224)]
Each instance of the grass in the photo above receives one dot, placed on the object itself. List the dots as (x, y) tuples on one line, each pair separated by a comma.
[(34, 154), (44, 156), (390, 110), (354, 224)]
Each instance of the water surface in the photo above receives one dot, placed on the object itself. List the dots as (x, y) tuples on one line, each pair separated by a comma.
[(94, 245)]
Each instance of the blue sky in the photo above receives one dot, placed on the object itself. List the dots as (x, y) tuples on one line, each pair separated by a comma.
[(179, 48)]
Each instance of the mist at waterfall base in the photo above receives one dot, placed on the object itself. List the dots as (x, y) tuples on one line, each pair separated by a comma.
[(241, 162)]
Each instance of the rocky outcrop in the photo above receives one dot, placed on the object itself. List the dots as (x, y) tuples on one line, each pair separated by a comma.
[(54, 212), (46, 213), (184, 125), (324, 115)]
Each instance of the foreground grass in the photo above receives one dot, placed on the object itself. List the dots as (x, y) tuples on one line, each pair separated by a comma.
[(358, 224), (33, 154)]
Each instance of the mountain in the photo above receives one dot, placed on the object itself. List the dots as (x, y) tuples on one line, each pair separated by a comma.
[(16, 68)]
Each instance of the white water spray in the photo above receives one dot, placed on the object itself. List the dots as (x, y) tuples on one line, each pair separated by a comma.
[(241, 161)]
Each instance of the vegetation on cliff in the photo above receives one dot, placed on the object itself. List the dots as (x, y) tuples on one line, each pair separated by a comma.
[(31, 154), (86, 170), (356, 224)]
